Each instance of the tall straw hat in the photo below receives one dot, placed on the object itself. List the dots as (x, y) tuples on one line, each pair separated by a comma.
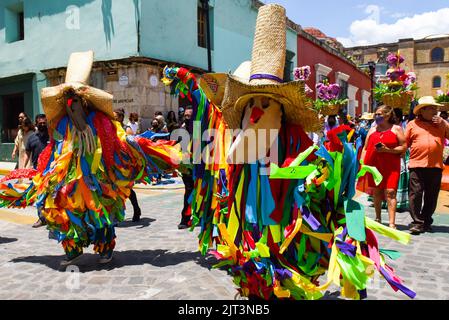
[(263, 76), (424, 102), (76, 80)]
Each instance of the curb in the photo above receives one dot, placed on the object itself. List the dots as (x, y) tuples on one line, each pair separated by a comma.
[(4, 172)]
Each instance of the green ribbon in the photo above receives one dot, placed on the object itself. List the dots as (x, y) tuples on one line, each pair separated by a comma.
[(353, 270), (364, 169), (355, 220), (303, 156), (397, 235), (298, 172), (392, 254)]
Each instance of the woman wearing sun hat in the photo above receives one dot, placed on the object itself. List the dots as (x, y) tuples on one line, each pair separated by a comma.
[(425, 137)]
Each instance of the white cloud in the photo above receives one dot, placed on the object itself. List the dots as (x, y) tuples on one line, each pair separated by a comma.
[(369, 31), (399, 15)]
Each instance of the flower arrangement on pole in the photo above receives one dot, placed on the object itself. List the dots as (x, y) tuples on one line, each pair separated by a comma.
[(329, 101), (399, 91), (303, 74)]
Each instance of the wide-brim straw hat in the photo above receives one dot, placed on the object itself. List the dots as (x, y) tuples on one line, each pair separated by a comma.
[(76, 81), (367, 116), (263, 76), (214, 84), (424, 102)]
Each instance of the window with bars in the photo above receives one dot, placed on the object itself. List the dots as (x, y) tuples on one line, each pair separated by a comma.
[(202, 25)]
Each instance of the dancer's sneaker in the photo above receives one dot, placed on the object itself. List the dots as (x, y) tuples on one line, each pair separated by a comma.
[(39, 223), (71, 261), (105, 258)]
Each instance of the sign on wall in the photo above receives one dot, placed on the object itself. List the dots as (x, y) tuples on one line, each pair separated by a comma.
[(124, 80)]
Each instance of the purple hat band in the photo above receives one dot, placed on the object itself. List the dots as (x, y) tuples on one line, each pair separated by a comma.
[(263, 76)]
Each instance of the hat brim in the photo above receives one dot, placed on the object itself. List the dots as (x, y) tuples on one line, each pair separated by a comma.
[(420, 106), (53, 100), (213, 85), (297, 106)]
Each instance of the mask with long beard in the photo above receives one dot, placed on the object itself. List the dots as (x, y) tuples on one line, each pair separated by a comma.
[(77, 111)]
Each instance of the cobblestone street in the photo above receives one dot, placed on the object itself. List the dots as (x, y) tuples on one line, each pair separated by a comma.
[(155, 260)]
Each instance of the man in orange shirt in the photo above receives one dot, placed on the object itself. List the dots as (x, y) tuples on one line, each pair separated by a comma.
[(425, 137)]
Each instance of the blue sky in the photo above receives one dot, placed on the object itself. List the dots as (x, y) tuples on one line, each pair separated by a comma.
[(336, 18)]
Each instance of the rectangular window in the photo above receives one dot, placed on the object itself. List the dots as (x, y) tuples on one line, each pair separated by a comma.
[(13, 105), (322, 78), (14, 23), (202, 26), (344, 89), (381, 69), (202, 36), (21, 26), (289, 65)]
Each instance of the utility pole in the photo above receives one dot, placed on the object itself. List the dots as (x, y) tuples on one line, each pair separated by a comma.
[(372, 73)]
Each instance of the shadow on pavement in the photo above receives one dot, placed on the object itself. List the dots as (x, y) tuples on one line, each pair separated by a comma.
[(435, 229), (332, 296), (7, 240), (158, 258), (143, 223), (440, 229)]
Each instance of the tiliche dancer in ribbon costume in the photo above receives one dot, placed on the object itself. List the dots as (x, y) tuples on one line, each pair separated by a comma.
[(277, 235), (89, 167)]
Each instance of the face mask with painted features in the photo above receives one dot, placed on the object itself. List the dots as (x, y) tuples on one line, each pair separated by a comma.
[(76, 112), (261, 115)]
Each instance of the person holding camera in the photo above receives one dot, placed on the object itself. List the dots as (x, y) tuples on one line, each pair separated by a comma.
[(384, 146)]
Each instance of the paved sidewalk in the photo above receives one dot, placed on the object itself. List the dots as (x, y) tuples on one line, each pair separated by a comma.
[(155, 260)]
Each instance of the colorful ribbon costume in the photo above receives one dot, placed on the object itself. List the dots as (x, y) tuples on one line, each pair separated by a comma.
[(277, 236)]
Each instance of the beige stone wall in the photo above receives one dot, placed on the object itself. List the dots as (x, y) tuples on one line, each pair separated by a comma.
[(423, 49), (417, 59), (139, 95), (369, 57), (425, 75)]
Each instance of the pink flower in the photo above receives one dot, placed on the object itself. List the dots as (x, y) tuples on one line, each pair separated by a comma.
[(328, 92), (411, 78), (302, 73), (308, 90), (395, 74), (394, 59)]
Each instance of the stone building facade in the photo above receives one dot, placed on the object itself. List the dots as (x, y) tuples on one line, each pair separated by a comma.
[(135, 85), (428, 58), (132, 39)]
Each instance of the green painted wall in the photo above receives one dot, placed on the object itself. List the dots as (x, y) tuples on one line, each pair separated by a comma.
[(106, 26), (117, 29), (169, 32)]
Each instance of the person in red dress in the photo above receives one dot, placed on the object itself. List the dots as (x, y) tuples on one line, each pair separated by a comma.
[(384, 146)]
